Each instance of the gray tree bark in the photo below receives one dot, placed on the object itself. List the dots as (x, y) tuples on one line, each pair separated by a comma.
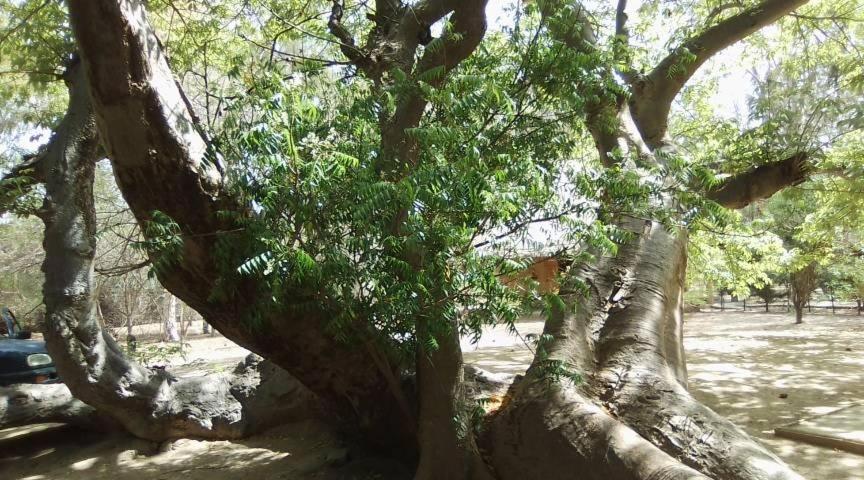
[(170, 323), (152, 404), (25, 404), (158, 156), (632, 417)]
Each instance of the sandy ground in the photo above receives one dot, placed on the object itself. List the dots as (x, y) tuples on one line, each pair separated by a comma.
[(739, 364), (299, 451)]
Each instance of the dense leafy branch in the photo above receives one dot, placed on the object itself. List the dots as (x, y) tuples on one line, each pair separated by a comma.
[(20, 180), (24, 20)]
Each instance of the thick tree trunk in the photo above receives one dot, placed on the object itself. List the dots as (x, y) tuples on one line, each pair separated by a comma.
[(631, 416), (151, 404), (444, 431)]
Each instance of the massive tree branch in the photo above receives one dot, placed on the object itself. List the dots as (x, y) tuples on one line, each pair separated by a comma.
[(149, 403), (146, 126), (761, 182), (160, 164), (653, 93)]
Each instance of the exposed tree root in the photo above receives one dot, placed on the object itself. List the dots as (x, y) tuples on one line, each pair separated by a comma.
[(28, 404), (552, 432)]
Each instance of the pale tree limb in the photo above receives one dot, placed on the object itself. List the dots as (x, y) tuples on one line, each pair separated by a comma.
[(393, 45), (399, 150), (149, 403)]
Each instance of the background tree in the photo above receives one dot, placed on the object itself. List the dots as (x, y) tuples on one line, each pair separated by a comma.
[(802, 282)]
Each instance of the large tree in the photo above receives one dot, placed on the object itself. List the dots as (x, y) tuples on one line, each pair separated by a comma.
[(355, 263)]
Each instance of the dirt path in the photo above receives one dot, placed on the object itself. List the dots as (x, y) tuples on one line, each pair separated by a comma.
[(739, 364), (299, 451)]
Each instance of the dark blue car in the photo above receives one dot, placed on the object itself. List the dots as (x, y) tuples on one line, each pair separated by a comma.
[(25, 361), (22, 360)]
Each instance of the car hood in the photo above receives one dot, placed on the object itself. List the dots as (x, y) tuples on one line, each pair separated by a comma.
[(24, 346)]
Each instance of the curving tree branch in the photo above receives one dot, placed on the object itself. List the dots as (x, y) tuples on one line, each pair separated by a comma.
[(468, 26), (653, 93), (346, 41), (161, 163)]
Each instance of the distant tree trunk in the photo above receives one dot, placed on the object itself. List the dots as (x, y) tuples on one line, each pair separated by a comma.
[(802, 283), (170, 319), (185, 324), (709, 293)]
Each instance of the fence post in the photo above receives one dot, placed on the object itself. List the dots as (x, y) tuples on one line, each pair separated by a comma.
[(745, 304), (722, 304), (858, 301), (766, 306), (833, 310)]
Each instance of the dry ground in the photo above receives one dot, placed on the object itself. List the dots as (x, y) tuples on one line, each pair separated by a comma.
[(739, 364)]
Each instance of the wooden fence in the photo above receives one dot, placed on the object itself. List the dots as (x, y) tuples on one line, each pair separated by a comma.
[(823, 303)]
